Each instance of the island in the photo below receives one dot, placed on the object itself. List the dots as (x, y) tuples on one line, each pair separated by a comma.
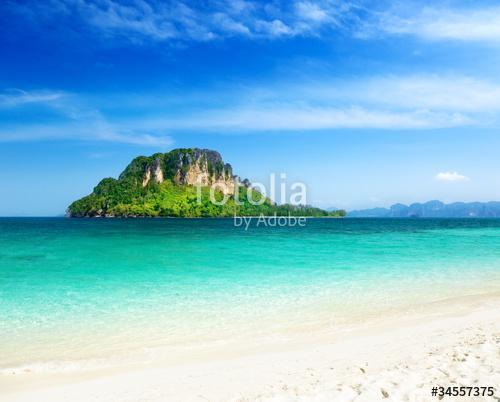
[(184, 182), (433, 209)]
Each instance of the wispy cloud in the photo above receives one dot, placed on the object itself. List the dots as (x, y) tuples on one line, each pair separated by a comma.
[(182, 20), (439, 23), (87, 131), (445, 92), (451, 176), (305, 118), (72, 118), (14, 97), (389, 102), (312, 11)]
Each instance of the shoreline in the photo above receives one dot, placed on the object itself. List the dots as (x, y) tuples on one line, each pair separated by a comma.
[(254, 370)]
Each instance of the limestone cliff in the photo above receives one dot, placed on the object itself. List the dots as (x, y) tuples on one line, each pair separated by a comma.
[(190, 167)]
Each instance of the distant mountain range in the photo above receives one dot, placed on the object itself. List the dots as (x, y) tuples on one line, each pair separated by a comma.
[(433, 209)]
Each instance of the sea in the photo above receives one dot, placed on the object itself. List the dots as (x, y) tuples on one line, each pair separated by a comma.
[(74, 291)]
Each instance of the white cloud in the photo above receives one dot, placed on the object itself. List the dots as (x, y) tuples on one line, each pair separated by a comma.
[(311, 11), (451, 176), (76, 120), (16, 97), (456, 93), (139, 20), (137, 17), (230, 25), (467, 24), (273, 28), (390, 102), (303, 118), (87, 131), (182, 20)]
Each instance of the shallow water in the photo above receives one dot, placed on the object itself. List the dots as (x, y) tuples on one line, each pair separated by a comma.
[(78, 289)]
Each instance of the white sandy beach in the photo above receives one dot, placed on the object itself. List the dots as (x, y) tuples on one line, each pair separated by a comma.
[(399, 358)]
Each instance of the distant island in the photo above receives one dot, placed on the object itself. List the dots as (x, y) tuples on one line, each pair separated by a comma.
[(178, 184), (433, 209)]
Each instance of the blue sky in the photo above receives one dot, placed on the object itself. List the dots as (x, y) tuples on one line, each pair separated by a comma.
[(367, 102)]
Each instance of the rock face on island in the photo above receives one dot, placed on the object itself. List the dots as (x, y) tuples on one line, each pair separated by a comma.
[(181, 183), (184, 167)]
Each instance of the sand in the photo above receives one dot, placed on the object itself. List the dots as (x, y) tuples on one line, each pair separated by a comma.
[(395, 358)]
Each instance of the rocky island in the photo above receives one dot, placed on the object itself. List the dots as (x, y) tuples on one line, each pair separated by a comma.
[(433, 209), (182, 183)]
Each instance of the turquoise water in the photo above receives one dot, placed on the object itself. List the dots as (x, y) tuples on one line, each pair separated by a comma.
[(78, 289)]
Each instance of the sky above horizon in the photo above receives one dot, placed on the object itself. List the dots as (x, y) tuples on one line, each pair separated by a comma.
[(368, 103)]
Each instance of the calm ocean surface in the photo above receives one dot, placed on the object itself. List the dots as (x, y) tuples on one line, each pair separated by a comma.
[(75, 289)]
